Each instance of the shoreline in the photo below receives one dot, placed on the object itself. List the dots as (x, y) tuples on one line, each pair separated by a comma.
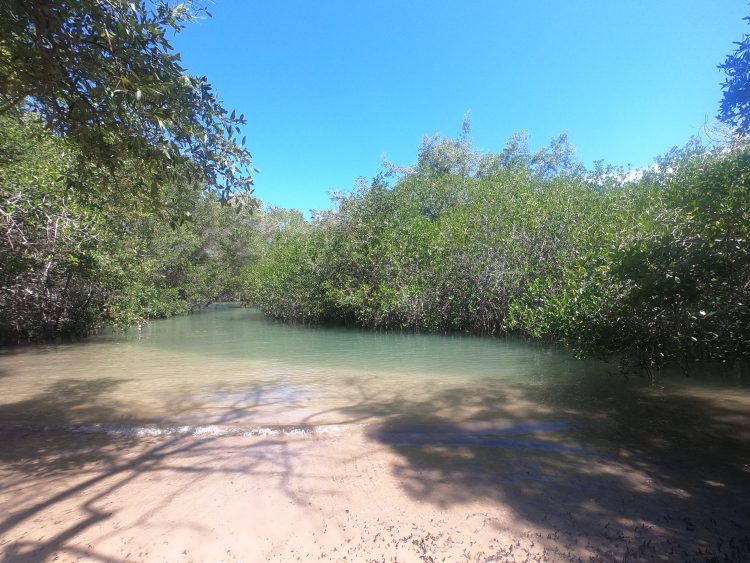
[(345, 497)]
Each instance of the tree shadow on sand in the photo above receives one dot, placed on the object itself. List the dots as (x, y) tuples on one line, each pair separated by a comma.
[(616, 472), (603, 472), (94, 465)]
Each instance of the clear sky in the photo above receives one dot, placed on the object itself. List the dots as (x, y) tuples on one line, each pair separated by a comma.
[(330, 87)]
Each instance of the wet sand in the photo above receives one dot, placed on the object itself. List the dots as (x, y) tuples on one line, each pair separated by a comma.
[(366, 493)]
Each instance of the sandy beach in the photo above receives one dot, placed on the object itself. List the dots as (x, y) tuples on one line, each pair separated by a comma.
[(362, 494)]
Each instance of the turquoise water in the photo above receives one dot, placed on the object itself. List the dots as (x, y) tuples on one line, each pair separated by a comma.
[(231, 370)]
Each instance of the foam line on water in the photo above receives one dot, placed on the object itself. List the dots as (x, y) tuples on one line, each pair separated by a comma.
[(199, 430)]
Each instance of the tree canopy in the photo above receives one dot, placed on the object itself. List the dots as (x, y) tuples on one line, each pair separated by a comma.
[(103, 74), (735, 104), (654, 267)]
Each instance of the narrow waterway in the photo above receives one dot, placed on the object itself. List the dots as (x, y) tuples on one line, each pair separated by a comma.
[(232, 370)]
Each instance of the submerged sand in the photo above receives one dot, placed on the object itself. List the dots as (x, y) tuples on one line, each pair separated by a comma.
[(357, 493)]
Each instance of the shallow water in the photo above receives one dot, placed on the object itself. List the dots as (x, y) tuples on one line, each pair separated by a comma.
[(232, 371)]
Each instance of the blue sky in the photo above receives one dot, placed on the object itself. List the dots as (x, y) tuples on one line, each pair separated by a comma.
[(330, 87)]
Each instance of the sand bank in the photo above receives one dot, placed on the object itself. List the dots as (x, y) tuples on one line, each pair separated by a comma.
[(357, 495)]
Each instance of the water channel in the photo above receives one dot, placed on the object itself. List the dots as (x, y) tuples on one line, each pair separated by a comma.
[(231, 370)]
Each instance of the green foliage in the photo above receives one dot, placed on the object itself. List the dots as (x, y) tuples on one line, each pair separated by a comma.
[(655, 269), (438, 250), (113, 164), (284, 284), (52, 277), (190, 265), (687, 272), (735, 103), (71, 262), (103, 74)]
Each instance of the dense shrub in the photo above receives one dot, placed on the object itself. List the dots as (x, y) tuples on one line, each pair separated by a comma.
[(73, 261), (655, 269)]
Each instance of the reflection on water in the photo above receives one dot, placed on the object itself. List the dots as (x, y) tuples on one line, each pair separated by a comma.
[(230, 370)]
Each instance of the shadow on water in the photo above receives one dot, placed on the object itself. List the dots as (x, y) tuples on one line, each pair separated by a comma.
[(629, 475), (103, 464), (65, 399)]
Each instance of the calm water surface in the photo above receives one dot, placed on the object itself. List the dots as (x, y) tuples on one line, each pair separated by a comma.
[(232, 370)]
